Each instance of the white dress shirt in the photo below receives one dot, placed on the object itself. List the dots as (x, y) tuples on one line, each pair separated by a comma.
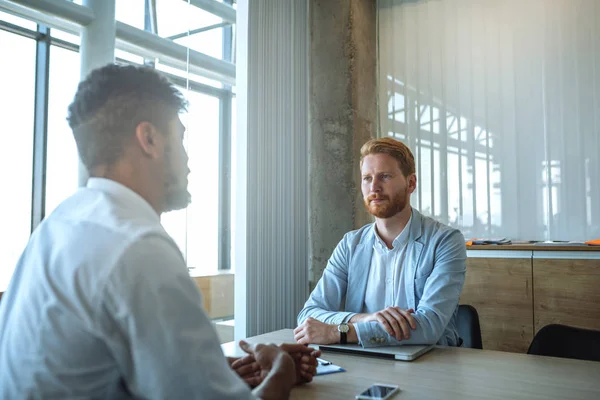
[(101, 305), (385, 274)]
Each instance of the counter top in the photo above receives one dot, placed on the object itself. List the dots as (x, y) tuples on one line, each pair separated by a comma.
[(533, 247)]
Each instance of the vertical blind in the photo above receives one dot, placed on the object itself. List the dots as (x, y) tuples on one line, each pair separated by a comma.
[(498, 99), (271, 240)]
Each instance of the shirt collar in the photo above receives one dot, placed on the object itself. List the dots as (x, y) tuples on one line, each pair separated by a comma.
[(124, 193), (400, 240)]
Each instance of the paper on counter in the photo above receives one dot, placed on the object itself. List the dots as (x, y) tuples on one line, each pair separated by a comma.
[(329, 369)]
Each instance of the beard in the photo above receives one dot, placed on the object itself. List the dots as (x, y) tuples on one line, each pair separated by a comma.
[(388, 209), (177, 198)]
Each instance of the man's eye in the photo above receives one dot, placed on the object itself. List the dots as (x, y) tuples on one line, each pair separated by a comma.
[(366, 178)]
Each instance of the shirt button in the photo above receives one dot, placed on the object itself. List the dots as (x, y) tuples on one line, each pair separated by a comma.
[(388, 281)]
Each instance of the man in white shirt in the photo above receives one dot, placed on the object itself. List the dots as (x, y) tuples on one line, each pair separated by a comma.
[(396, 281), (101, 304)]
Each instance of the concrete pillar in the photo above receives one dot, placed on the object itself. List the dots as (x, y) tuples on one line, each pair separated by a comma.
[(97, 46), (343, 115)]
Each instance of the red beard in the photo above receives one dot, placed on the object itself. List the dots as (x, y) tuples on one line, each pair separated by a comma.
[(389, 207)]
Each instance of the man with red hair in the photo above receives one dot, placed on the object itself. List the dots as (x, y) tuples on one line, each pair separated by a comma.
[(401, 277)]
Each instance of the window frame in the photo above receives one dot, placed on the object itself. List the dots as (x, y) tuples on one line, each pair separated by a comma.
[(44, 42)]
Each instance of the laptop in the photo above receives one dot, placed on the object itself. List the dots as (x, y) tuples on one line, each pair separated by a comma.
[(402, 353)]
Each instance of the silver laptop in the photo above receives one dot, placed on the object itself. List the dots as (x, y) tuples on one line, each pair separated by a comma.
[(403, 353)]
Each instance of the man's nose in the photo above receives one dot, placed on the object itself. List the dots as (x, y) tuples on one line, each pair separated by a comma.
[(375, 186)]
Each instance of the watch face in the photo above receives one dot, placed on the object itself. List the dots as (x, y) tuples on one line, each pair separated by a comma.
[(344, 328)]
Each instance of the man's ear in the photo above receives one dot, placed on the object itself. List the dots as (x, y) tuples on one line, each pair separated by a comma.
[(412, 183), (148, 139)]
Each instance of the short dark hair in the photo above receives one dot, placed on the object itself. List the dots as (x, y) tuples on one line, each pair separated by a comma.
[(111, 102)]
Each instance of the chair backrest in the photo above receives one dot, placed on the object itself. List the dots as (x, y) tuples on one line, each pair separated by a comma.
[(468, 326), (565, 341)]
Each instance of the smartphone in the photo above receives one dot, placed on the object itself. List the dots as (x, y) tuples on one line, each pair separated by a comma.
[(378, 392)]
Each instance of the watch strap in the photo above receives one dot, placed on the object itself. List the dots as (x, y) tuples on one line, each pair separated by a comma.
[(343, 338)]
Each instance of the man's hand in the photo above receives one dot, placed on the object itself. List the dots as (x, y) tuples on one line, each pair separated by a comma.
[(306, 361), (277, 370), (396, 321), (247, 368), (267, 356), (316, 332)]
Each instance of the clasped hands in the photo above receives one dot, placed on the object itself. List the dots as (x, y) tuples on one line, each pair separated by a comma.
[(257, 364), (396, 321)]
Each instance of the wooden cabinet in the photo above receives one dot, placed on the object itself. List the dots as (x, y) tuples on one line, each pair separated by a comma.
[(517, 292), (566, 291), (500, 289), (217, 292)]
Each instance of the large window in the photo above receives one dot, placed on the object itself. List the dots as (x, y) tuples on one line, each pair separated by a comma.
[(203, 229), (499, 102), (196, 229), (62, 163), (17, 89), (190, 26)]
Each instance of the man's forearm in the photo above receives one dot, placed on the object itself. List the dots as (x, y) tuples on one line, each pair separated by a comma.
[(279, 382), (358, 317), (352, 336), (323, 315)]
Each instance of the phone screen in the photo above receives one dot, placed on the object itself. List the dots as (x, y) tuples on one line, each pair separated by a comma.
[(378, 391)]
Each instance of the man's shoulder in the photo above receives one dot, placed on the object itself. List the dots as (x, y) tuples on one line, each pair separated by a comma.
[(150, 254), (96, 211), (433, 226), (435, 233), (359, 235), (94, 232)]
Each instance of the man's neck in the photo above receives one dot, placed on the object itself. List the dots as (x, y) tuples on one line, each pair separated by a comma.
[(388, 229), (124, 174)]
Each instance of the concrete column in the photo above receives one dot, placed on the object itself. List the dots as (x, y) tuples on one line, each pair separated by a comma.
[(97, 46), (343, 115)]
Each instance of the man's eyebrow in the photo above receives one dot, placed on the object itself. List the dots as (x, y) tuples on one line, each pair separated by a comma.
[(378, 173)]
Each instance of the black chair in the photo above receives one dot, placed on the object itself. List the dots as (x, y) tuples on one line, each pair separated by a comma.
[(468, 326), (564, 341)]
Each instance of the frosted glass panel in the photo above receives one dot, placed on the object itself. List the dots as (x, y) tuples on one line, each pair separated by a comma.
[(517, 154)]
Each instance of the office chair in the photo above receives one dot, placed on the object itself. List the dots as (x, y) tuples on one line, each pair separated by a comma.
[(468, 326), (565, 341)]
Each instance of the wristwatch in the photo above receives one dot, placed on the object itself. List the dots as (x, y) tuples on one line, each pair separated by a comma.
[(343, 329)]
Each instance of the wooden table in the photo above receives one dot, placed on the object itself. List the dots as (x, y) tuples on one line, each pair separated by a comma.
[(450, 373)]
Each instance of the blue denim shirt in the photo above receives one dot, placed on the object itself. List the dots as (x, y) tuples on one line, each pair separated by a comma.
[(435, 267)]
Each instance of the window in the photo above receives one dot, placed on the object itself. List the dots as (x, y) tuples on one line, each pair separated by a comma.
[(18, 21), (62, 160), (517, 153), (196, 229), (131, 12), (190, 26), (17, 85), (200, 228)]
